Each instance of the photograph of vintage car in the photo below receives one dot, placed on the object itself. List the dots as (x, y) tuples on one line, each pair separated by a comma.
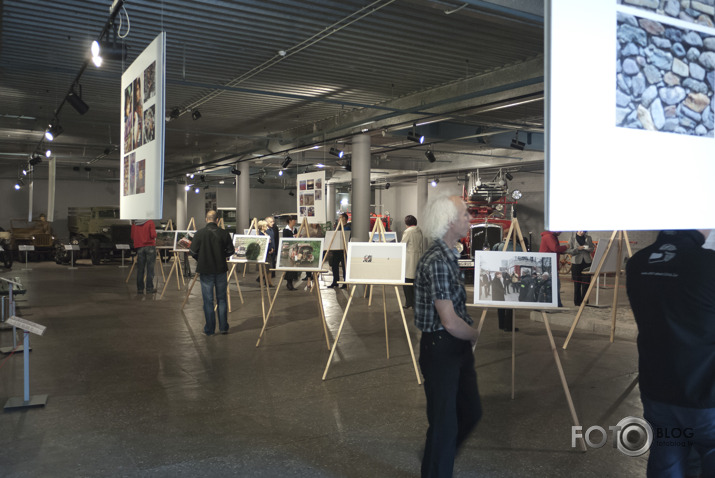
[(301, 253)]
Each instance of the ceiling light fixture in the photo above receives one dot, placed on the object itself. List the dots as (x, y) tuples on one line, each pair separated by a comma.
[(76, 101), (286, 162), (235, 171), (48, 153), (280, 173), (516, 144), (509, 176), (187, 187), (53, 130), (336, 152), (261, 180), (413, 136), (196, 114), (430, 155), (434, 182), (387, 185), (35, 158), (197, 190)]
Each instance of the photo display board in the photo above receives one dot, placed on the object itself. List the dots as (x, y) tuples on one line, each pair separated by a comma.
[(630, 116), (310, 196), (183, 239), (300, 253), (376, 263), (389, 237), (249, 248), (337, 243), (165, 239), (141, 189), (515, 279)]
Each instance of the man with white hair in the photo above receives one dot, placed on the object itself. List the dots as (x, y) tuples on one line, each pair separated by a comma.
[(446, 358)]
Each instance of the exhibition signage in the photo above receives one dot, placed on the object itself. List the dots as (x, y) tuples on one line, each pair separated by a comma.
[(310, 197), (142, 134)]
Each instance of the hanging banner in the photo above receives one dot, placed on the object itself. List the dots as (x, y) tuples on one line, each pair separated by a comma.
[(142, 138), (310, 195), (630, 118)]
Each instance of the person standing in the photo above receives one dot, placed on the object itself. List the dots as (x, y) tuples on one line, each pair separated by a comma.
[(550, 243), (673, 300), (337, 257), (272, 232), (580, 247), (446, 359), (263, 230), (144, 239), (289, 231), (210, 247), (415, 247)]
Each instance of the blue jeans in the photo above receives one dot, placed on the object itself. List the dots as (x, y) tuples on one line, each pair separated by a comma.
[(676, 432), (146, 257), (219, 282)]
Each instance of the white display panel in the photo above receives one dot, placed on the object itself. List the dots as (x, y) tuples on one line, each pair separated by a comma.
[(310, 197), (610, 164), (142, 134)]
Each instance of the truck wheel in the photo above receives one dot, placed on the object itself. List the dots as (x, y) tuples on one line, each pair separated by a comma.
[(7, 259), (95, 252)]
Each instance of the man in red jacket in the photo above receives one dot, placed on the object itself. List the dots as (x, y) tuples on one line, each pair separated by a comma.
[(144, 238), (550, 243)]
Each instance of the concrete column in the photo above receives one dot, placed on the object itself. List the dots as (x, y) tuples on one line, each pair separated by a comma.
[(181, 207), (243, 194), (361, 187), (330, 203), (422, 193)]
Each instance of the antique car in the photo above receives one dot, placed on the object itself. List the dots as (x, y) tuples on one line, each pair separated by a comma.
[(97, 230)]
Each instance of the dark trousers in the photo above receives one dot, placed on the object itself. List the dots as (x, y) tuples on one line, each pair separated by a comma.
[(409, 293), (453, 403), (581, 281), (337, 258), (506, 317), (146, 257)]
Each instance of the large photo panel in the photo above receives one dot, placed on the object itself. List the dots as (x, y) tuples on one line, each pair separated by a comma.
[(142, 134), (629, 114)]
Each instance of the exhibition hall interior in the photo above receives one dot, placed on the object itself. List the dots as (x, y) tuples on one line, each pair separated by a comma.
[(123, 110)]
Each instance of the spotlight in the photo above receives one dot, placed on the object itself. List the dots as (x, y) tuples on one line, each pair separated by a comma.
[(110, 51), (48, 153), (35, 158), (195, 115), (191, 175), (20, 183), (187, 187), (221, 181), (430, 156), (261, 180), (387, 185), (509, 176), (516, 144), (197, 190), (320, 165), (203, 178), (24, 171), (53, 130), (286, 162), (280, 173), (76, 101), (336, 152), (175, 113), (235, 171), (234, 181), (417, 139), (17, 186), (434, 182)]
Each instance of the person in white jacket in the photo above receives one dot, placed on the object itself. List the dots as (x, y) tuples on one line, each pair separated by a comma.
[(415, 248)]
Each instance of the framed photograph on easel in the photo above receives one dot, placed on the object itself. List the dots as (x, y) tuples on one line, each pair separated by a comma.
[(249, 248), (376, 263), (300, 253)]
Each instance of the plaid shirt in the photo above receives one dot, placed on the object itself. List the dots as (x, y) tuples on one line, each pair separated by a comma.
[(438, 278)]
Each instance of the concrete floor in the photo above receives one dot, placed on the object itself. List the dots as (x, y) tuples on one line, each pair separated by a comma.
[(136, 389)]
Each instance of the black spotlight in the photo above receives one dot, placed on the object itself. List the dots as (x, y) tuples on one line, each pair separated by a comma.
[(53, 130), (235, 171), (175, 113), (203, 178), (387, 185), (509, 176), (430, 156), (261, 180), (336, 152), (286, 162), (348, 166), (76, 101), (196, 114), (35, 158), (416, 138), (516, 144)]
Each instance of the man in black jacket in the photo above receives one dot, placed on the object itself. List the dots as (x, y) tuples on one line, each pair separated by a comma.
[(289, 231), (671, 291), (210, 247)]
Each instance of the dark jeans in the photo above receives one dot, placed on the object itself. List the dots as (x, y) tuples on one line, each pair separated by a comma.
[(146, 257), (453, 403), (669, 453), (409, 293), (506, 317), (219, 282), (581, 281), (337, 258)]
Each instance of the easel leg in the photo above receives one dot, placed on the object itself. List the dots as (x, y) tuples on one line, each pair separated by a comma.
[(384, 313), (270, 309), (188, 292), (238, 286), (180, 269), (407, 334), (161, 267), (228, 289), (134, 263), (322, 313), (614, 309), (564, 384), (176, 269), (261, 279), (340, 330), (167, 282), (479, 327)]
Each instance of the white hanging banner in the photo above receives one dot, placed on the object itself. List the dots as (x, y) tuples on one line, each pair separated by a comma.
[(310, 196), (142, 140)]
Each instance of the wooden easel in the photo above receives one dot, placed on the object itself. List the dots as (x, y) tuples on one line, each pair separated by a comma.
[(316, 287), (404, 323), (378, 228), (622, 237), (176, 266), (168, 227), (252, 227), (341, 228)]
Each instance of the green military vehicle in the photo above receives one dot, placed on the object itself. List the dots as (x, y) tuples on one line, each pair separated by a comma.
[(97, 230)]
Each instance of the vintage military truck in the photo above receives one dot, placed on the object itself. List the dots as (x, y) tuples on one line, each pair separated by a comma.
[(97, 230), (31, 233)]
